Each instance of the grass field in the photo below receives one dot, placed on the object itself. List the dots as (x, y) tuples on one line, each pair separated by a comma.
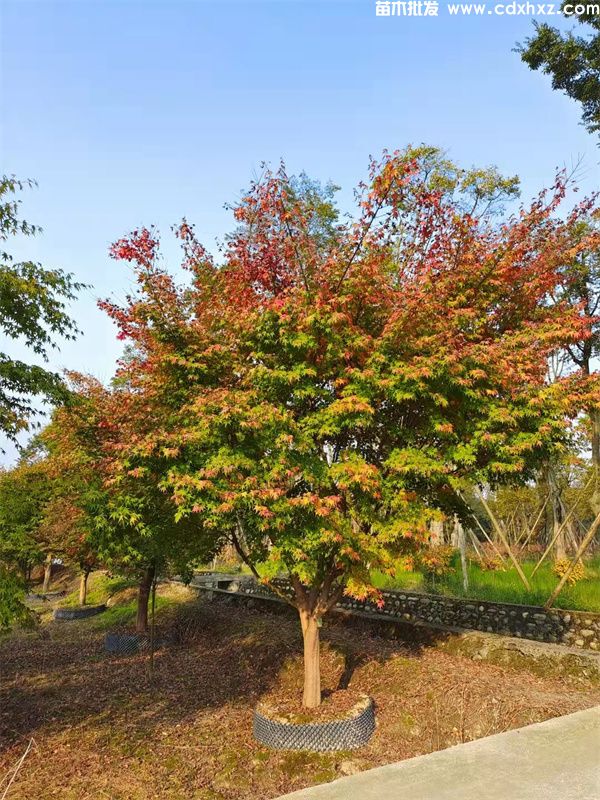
[(506, 586), (102, 727)]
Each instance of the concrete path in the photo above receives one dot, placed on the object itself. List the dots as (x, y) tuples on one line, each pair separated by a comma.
[(554, 760)]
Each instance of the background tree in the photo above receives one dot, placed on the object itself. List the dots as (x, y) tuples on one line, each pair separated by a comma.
[(329, 399), (581, 288), (33, 310), (23, 496), (24, 493), (65, 523), (572, 61), (120, 519)]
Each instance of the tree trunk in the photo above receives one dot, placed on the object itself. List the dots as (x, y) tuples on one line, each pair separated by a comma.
[(141, 622), (436, 532), (312, 667), (560, 550), (83, 588), (462, 546), (595, 498), (47, 573)]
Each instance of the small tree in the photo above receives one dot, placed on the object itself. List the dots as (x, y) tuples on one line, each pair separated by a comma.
[(117, 517), (24, 492), (64, 525), (331, 394)]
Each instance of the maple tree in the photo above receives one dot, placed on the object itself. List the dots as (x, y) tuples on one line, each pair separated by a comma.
[(319, 399), (119, 518), (23, 495), (71, 482)]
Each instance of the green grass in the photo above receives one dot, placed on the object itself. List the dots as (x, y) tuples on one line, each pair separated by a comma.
[(506, 586), (124, 614), (501, 586), (411, 581), (100, 588), (115, 617)]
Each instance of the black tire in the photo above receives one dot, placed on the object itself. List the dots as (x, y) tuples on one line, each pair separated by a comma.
[(78, 613), (344, 734)]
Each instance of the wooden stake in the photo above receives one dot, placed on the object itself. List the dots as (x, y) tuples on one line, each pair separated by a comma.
[(559, 530), (504, 541), (474, 543), (483, 530), (582, 548), (536, 523)]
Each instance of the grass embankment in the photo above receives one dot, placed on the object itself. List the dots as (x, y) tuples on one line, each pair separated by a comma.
[(104, 728), (101, 587), (121, 596), (505, 585)]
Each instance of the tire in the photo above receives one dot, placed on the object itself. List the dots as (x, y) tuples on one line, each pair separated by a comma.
[(66, 614)]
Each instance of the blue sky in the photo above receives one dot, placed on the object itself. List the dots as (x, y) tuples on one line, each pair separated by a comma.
[(131, 113)]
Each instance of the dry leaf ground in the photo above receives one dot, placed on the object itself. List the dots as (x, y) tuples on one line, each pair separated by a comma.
[(102, 728)]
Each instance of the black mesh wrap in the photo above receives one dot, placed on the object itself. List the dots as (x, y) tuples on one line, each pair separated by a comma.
[(345, 734)]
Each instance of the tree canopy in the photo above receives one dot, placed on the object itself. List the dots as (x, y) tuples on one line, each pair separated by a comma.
[(118, 517), (33, 302), (571, 60), (318, 400)]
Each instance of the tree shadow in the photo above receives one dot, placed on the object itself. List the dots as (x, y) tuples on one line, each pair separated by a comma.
[(61, 676), (221, 653), (351, 663)]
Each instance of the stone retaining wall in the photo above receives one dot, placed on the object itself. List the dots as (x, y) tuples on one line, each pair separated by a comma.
[(573, 628)]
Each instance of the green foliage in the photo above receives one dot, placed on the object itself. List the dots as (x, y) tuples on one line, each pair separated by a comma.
[(32, 310), (12, 593), (572, 61), (323, 396), (479, 191), (24, 492)]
